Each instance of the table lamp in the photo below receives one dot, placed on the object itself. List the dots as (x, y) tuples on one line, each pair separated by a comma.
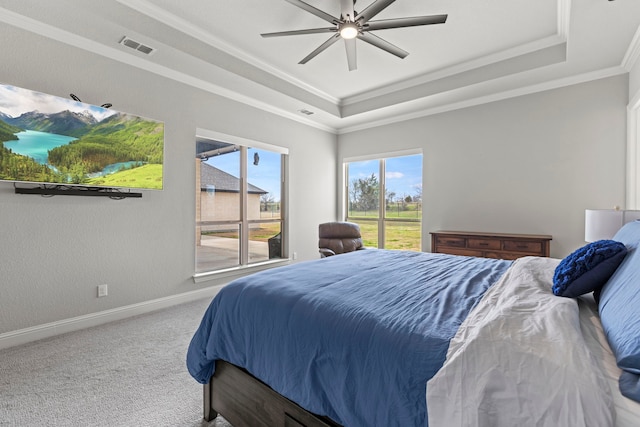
[(602, 224)]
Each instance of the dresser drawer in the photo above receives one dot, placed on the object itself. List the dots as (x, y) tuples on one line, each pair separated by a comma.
[(523, 246), (460, 251), (504, 255), (491, 244), (456, 242)]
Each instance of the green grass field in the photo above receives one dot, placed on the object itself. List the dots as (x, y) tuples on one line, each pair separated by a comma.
[(146, 176), (398, 235)]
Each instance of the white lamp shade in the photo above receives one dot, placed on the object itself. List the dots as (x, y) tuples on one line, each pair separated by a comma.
[(601, 224)]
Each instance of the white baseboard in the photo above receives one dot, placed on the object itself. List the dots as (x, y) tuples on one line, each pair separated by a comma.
[(47, 330)]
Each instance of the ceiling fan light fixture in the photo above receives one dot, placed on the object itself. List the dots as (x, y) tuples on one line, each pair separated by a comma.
[(349, 30), (352, 25)]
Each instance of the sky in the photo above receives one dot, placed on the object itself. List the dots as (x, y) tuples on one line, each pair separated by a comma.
[(403, 174), (265, 175), (15, 101)]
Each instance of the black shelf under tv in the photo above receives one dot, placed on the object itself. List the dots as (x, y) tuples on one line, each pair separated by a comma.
[(77, 191)]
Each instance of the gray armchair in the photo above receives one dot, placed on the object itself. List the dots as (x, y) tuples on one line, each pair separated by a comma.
[(338, 238)]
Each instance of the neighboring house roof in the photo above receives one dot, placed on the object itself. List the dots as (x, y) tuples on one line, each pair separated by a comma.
[(222, 181)]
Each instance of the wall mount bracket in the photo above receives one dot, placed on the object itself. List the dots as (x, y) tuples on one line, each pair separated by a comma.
[(66, 190)]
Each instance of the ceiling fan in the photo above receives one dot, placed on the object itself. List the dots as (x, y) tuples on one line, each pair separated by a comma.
[(352, 25)]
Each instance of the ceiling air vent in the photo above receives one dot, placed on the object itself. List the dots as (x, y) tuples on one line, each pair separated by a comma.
[(137, 46)]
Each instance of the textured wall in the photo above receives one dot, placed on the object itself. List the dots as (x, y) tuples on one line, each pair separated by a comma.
[(55, 251), (530, 164)]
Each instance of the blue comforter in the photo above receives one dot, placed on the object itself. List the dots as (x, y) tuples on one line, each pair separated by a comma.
[(354, 337)]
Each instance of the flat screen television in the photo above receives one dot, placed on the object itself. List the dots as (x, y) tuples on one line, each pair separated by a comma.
[(46, 139)]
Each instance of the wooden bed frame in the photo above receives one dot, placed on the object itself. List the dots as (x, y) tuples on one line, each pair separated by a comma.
[(245, 401)]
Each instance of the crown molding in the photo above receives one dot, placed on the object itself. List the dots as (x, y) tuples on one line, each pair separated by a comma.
[(419, 107), (147, 8), (455, 70), (561, 36), (161, 15), (498, 96), (633, 52), (37, 27)]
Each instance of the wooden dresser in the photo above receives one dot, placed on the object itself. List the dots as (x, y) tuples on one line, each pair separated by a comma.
[(490, 245)]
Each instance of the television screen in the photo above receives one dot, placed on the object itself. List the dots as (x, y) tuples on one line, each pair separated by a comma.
[(51, 140)]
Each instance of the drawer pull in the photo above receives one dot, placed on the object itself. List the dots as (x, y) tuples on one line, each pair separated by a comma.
[(483, 244)]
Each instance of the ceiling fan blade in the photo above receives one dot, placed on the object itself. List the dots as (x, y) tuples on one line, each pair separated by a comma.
[(346, 7), (299, 32), (320, 48), (405, 22), (373, 9), (350, 45), (319, 13), (383, 44)]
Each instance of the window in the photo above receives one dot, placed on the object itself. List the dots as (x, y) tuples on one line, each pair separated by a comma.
[(239, 202), (384, 196)]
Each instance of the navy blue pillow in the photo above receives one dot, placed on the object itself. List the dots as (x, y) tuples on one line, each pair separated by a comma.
[(587, 269), (629, 384)]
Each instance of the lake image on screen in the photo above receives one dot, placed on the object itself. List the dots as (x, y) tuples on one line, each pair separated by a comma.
[(52, 140), (37, 144)]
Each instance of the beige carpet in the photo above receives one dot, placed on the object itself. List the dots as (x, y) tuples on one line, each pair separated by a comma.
[(126, 373)]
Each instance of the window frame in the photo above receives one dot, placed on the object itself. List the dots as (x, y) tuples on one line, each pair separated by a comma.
[(244, 222), (382, 212)]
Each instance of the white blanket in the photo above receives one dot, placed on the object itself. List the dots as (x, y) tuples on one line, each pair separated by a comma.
[(520, 359)]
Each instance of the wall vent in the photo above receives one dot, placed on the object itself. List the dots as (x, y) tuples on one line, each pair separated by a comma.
[(126, 41)]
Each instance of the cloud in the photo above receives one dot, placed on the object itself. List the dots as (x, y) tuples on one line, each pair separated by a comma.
[(15, 101), (394, 175)]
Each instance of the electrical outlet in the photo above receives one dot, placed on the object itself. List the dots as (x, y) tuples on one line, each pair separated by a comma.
[(102, 291), (295, 255)]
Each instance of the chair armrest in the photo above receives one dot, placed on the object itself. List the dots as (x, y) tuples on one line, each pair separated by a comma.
[(325, 252)]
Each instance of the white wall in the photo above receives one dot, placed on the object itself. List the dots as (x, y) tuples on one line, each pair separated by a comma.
[(633, 146), (530, 164), (55, 251)]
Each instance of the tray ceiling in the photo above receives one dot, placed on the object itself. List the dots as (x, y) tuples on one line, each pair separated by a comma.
[(485, 51)]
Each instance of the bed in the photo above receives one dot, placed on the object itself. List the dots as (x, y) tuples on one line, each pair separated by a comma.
[(388, 338)]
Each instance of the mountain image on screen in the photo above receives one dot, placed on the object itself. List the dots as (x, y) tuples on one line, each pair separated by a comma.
[(73, 143)]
